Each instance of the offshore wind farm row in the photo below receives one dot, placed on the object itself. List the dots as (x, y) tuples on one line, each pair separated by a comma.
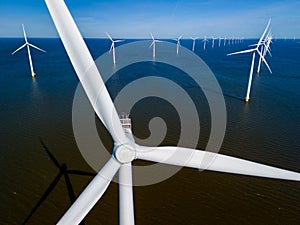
[(262, 48)]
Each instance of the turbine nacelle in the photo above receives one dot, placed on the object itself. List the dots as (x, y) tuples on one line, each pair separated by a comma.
[(125, 153)]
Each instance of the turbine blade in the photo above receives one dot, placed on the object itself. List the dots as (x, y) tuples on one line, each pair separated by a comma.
[(152, 36), (241, 52), (152, 44), (24, 33), (253, 45), (86, 69), (82, 173), (36, 47), (19, 49), (51, 156), (118, 41), (264, 33), (263, 59), (216, 162), (268, 50), (91, 194), (44, 196), (126, 204), (109, 36), (111, 47)]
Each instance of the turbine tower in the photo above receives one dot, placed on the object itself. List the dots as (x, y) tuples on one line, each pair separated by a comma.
[(28, 45), (112, 47), (194, 42), (254, 50), (125, 150), (153, 45)]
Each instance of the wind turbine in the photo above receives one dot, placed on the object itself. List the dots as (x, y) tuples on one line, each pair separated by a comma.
[(63, 171), (204, 42), (254, 50), (112, 47), (178, 44), (213, 42), (265, 47), (125, 150), (220, 40), (153, 45), (28, 45), (194, 42)]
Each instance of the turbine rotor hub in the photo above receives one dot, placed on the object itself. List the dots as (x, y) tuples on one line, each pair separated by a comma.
[(124, 153)]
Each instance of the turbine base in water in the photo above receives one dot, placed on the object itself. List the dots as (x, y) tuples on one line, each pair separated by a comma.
[(33, 75), (247, 100)]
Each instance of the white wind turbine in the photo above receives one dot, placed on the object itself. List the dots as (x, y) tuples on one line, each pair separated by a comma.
[(265, 48), (220, 40), (194, 42), (254, 50), (28, 45), (125, 150), (229, 40), (205, 40), (112, 47), (153, 45), (213, 42), (178, 44)]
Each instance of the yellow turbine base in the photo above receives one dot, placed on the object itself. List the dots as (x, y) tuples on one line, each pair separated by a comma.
[(33, 75), (247, 100)]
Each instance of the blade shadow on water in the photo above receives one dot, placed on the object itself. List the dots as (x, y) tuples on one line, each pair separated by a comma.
[(63, 171)]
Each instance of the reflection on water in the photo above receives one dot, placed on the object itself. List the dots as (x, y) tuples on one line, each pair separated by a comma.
[(265, 130)]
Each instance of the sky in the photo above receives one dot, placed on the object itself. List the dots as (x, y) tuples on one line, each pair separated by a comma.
[(164, 18)]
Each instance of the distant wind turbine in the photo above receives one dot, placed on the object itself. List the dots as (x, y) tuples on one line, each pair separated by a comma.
[(194, 42), (204, 42), (254, 50), (220, 40), (229, 40), (213, 42), (178, 44), (28, 45), (153, 45), (112, 47)]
